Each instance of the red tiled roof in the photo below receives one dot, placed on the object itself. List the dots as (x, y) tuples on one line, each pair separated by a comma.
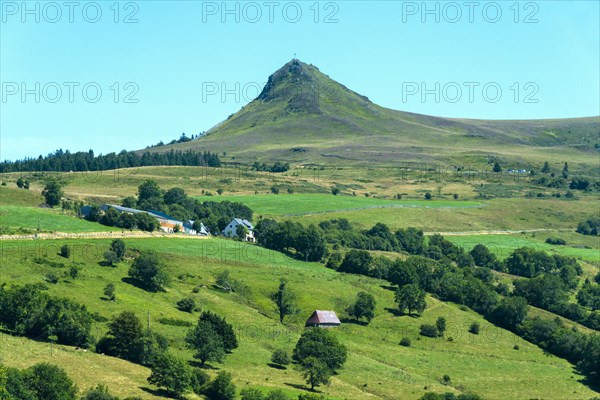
[(323, 317)]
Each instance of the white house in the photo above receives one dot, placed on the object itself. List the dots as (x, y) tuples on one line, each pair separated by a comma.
[(231, 229), (188, 227)]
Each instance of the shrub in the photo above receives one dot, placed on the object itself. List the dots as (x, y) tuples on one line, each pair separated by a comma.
[(446, 379), (274, 190), (49, 382), (51, 278), (222, 388), (516, 347), (99, 392), (427, 196), (335, 191), (474, 328), (199, 380), (556, 241), (428, 330), (440, 324), (109, 292), (280, 357), (187, 304), (405, 342), (174, 322), (65, 251)]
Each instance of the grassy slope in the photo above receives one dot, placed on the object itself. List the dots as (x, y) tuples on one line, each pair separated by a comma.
[(20, 209), (503, 245), (377, 367), (303, 204), (87, 369)]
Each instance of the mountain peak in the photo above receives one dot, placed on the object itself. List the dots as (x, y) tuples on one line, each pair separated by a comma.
[(295, 83)]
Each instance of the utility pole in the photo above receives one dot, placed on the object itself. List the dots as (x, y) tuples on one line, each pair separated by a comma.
[(51, 342)]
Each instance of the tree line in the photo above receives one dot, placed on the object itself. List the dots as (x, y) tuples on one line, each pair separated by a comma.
[(175, 202), (452, 274), (81, 161)]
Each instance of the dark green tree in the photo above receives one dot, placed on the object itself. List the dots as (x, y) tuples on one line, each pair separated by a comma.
[(109, 292), (53, 192), (410, 297), (356, 262), (223, 329), (315, 372), (363, 307), (150, 271), (440, 324), (118, 246), (510, 312), (280, 357), (285, 300), (206, 343), (565, 170), (323, 345), (124, 337), (171, 373), (49, 382), (546, 168)]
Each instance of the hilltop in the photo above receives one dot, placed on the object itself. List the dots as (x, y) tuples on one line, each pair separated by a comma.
[(303, 115)]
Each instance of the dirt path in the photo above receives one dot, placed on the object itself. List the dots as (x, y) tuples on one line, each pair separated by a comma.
[(106, 235), (97, 235), (495, 232)]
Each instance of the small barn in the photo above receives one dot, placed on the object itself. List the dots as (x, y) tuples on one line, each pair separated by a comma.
[(323, 319)]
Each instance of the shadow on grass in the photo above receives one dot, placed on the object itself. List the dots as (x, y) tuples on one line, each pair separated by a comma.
[(397, 313), (300, 387), (277, 366), (157, 392), (198, 364), (106, 264), (353, 321), (139, 285), (595, 386), (389, 287)]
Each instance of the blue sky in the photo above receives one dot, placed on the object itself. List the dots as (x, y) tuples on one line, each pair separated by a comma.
[(497, 60)]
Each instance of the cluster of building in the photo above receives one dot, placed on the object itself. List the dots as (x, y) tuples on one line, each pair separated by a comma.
[(169, 224)]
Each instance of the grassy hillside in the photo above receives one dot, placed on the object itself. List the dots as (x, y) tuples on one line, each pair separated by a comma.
[(86, 368), (377, 366), (303, 115), (305, 204)]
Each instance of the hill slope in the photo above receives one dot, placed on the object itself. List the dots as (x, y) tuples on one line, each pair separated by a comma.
[(303, 115)]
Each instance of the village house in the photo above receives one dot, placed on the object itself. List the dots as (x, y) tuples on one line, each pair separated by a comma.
[(323, 319), (188, 227), (230, 230)]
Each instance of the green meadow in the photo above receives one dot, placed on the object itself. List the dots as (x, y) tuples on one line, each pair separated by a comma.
[(377, 366), (306, 204)]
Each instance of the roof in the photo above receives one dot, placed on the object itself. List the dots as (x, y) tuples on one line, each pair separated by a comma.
[(162, 215), (122, 209), (244, 222), (189, 224), (323, 317)]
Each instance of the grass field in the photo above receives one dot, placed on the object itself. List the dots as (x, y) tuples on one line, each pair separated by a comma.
[(306, 204), (503, 245), (87, 369), (377, 366), (48, 220)]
